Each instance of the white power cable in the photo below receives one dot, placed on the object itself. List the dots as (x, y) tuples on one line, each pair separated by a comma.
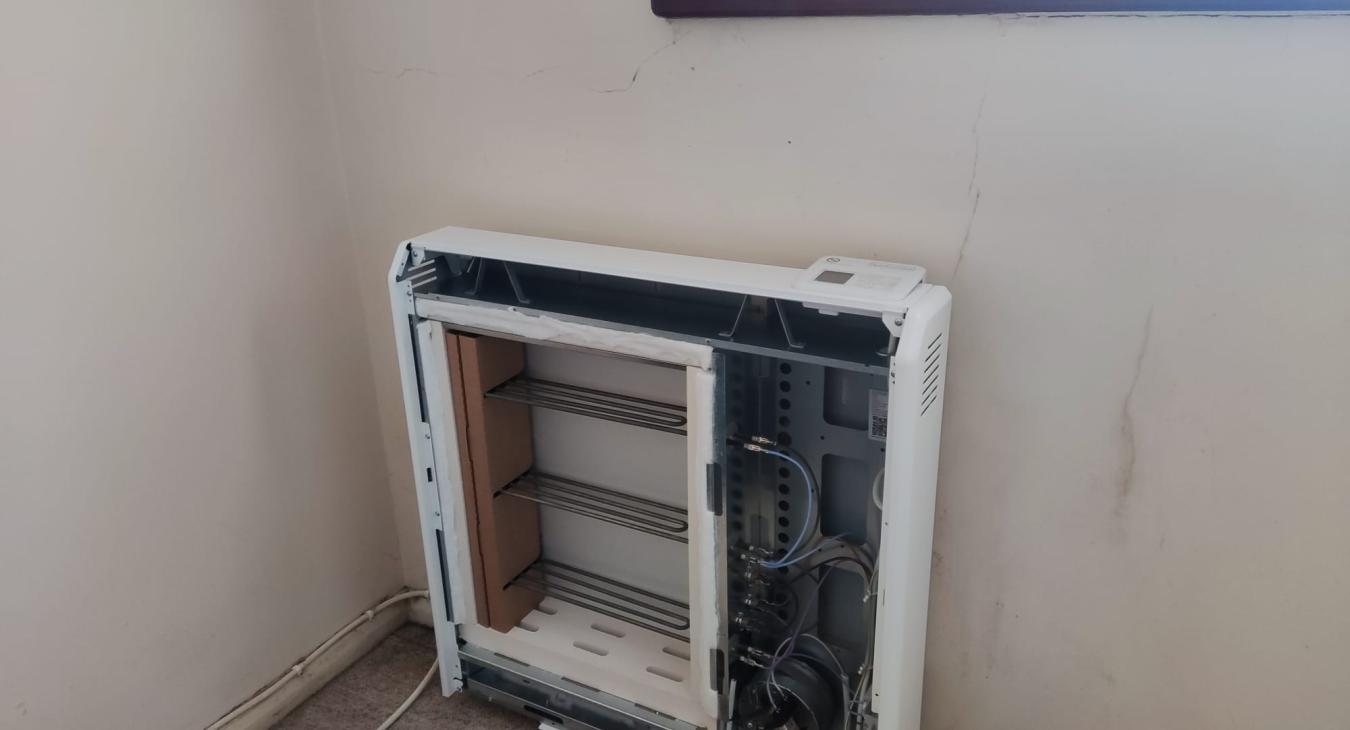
[(389, 722), (876, 488), (303, 664)]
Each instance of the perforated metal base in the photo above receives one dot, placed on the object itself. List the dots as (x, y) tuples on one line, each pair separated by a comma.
[(553, 699)]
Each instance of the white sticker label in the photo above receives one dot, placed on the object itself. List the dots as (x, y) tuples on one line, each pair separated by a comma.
[(876, 414)]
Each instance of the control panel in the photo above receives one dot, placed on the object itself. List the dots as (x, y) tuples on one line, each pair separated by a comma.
[(863, 278)]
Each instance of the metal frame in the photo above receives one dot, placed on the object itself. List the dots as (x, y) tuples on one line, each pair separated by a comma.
[(529, 689), (715, 275), (409, 337)]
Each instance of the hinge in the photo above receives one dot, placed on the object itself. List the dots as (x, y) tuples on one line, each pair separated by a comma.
[(715, 489), (428, 461)]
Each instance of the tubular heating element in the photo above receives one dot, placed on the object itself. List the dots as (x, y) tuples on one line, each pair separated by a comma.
[(600, 503), (607, 596)]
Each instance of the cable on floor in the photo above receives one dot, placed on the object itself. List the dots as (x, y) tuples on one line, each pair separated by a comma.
[(303, 664), (389, 722)]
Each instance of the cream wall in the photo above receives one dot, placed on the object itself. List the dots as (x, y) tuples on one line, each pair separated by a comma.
[(192, 488), (1144, 493)]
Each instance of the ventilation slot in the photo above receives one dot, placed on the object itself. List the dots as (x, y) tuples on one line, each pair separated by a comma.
[(611, 631), (592, 648), (932, 374), (675, 651), (665, 674), (549, 718), (422, 276)]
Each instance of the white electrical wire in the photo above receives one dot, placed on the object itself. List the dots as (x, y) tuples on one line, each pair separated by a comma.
[(865, 669), (389, 722), (300, 667), (876, 488)]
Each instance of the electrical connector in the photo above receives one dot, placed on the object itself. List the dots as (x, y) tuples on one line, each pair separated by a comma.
[(754, 444)]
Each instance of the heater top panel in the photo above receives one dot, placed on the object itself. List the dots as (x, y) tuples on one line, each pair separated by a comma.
[(833, 283)]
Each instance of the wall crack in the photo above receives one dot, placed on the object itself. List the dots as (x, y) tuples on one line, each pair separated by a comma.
[(674, 39), (971, 186), (400, 73), (1128, 446)]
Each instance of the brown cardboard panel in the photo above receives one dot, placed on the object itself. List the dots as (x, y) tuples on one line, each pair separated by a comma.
[(494, 360), (503, 451), (480, 593), (513, 534), (510, 536), (499, 446)]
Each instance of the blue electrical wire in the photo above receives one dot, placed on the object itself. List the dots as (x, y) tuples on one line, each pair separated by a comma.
[(810, 502)]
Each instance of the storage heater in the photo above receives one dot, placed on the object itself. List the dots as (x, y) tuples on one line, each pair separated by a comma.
[(662, 491)]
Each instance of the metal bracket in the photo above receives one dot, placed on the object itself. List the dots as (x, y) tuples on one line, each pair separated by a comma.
[(477, 282), (894, 322), (792, 342), (787, 331), (516, 288), (740, 312), (515, 284), (892, 343)]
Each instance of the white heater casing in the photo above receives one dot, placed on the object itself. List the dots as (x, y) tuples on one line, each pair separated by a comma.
[(911, 319)]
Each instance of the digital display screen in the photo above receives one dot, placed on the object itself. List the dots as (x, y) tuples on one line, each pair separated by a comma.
[(833, 277)]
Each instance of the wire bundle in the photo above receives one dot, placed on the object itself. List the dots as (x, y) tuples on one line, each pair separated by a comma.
[(800, 550)]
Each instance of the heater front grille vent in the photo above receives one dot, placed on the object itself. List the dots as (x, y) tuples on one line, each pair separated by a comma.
[(932, 373)]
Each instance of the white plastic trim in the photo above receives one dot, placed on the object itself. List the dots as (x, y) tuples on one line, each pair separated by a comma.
[(910, 488), (703, 546), (545, 329)]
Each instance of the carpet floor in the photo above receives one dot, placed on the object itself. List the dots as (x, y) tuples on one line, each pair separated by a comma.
[(372, 688)]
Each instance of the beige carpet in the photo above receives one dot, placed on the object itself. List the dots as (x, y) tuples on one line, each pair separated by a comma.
[(364, 695)]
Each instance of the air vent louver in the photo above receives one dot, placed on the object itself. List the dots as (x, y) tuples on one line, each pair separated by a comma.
[(422, 276), (932, 374)]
